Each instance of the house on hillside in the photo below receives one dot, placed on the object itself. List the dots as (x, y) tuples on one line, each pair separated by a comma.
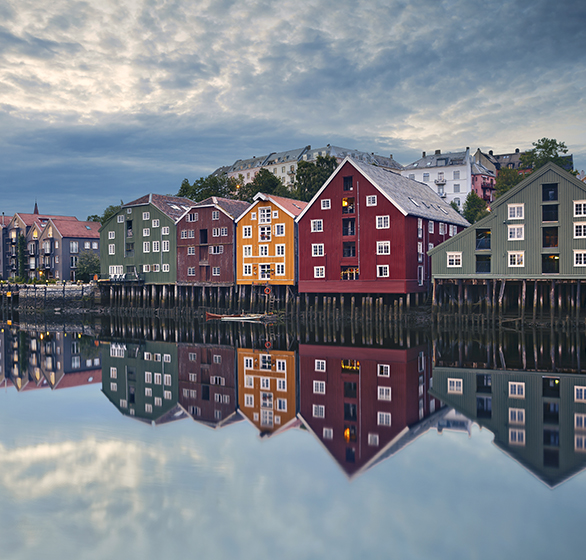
[(537, 231), (267, 240), (368, 230), (206, 242), (139, 242), (449, 174)]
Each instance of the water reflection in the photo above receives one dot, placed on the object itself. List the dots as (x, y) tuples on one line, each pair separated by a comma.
[(362, 403)]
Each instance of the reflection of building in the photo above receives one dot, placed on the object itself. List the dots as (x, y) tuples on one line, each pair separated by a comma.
[(141, 380), (364, 404), (267, 389), (539, 419), (207, 383)]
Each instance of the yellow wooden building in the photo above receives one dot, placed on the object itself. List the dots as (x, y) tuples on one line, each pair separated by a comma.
[(266, 241), (266, 389)]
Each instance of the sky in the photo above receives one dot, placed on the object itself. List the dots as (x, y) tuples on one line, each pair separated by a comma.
[(106, 101)]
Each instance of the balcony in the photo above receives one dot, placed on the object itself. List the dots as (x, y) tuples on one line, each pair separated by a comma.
[(440, 181)]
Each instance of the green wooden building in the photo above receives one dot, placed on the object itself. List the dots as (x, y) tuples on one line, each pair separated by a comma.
[(537, 418), (140, 241), (535, 232)]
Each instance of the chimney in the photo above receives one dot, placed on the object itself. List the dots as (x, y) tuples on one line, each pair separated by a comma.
[(438, 152), (516, 150), (490, 152), (423, 155), (467, 148), (391, 156)]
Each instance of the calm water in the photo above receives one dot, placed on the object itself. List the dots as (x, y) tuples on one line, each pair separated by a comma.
[(102, 460)]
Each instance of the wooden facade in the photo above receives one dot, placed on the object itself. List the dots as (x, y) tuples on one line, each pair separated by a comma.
[(368, 230), (267, 241)]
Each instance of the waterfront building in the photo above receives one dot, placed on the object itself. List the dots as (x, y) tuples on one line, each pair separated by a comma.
[(267, 241), (139, 242), (449, 174), (483, 182), (368, 230), (206, 240), (267, 389)]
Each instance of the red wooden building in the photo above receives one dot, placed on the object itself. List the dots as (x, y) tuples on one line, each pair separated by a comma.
[(368, 230), (205, 242), (364, 404)]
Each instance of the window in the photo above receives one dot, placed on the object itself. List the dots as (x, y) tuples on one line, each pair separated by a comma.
[(384, 419), (73, 247), (167, 378), (348, 205), (456, 175), (383, 247), (165, 230), (516, 211), (158, 401), (382, 271), (371, 200), (579, 258), (248, 400), (247, 250), (579, 394), (516, 436), (146, 247), (319, 271), (158, 378), (579, 230), (549, 212), (247, 270), (190, 250), (247, 232), (113, 372), (317, 250), (216, 271), (111, 235), (384, 393), (165, 247), (516, 233), (319, 411), (191, 271), (281, 384), (215, 215), (216, 232), (113, 386), (94, 244), (550, 264), (280, 269), (326, 204), (328, 433), (279, 230), (264, 233), (276, 212), (383, 222), (253, 216), (146, 232), (148, 377), (442, 228), (516, 390), (347, 183), (425, 177), (516, 416), (349, 249), (263, 250), (317, 225), (383, 370), (454, 259), (166, 267), (248, 381), (148, 408), (455, 386), (549, 192), (282, 405), (111, 249), (157, 247), (223, 232), (120, 219), (430, 226), (320, 365), (146, 216), (373, 440), (155, 223), (319, 387), (280, 250), (456, 187), (146, 267), (216, 249), (265, 271), (579, 421), (264, 215), (281, 365), (193, 217), (183, 234), (516, 259), (579, 208)]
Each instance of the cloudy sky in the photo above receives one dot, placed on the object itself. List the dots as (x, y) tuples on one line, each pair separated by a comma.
[(109, 100)]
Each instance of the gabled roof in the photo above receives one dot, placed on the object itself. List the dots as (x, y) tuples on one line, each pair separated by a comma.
[(431, 160), (30, 219), (172, 206), (290, 206), (410, 197), (479, 169), (68, 228), (233, 208)]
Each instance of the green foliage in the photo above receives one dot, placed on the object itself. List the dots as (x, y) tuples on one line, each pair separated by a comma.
[(455, 207), (22, 260), (544, 150), (88, 264), (264, 182), (112, 210), (474, 208), (212, 185), (310, 177), (506, 180)]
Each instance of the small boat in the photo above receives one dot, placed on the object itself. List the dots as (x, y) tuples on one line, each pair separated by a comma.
[(238, 317)]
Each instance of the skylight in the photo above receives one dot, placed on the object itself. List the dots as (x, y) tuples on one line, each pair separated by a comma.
[(413, 201)]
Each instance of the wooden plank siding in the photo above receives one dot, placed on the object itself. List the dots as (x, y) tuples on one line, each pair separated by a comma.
[(536, 230)]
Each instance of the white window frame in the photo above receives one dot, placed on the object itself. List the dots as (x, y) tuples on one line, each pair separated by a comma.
[(111, 235), (579, 394), (431, 226), (516, 390), (247, 251), (319, 271), (317, 249), (247, 270), (319, 387), (517, 416), (247, 232), (157, 247), (165, 245), (384, 393), (371, 200), (516, 232), (455, 257), (579, 230), (279, 269), (516, 211), (455, 386), (280, 250), (318, 411), (326, 204), (517, 436), (579, 258), (383, 370), (146, 215), (263, 250), (120, 219), (383, 247), (111, 249), (248, 400), (317, 226), (146, 246), (382, 270), (579, 208), (215, 271), (383, 419), (155, 223), (165, 230), (320, 365), (516, 259), (328, 433), (279, 230), (146, 232), (383, 222)]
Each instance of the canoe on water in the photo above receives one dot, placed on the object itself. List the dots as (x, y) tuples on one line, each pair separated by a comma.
[(239, 317)]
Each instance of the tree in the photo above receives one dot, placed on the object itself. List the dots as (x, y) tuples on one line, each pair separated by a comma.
[(88, 264), (545, 150), (455, 207), (506, 180), (265, 182), (22, 260), (474, 208), (108, 213), (310, 177), (212, 185)]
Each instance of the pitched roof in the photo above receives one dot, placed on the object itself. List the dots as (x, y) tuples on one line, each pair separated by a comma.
[(291, 206), (233, 208), (431, 160), (30, 219), (68, 228), (172, 206), (410, 197)]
